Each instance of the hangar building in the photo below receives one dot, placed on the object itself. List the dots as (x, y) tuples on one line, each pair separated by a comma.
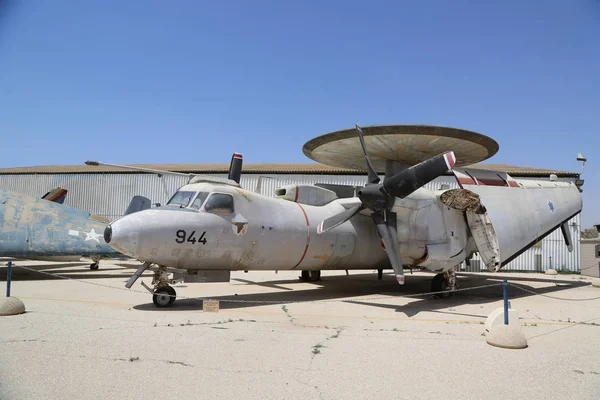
[(106, 191)]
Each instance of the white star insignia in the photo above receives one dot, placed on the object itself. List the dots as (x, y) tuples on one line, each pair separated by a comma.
[(92, 235)]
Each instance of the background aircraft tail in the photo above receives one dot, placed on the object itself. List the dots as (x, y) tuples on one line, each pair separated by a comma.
[(57, 195), (138, 203)]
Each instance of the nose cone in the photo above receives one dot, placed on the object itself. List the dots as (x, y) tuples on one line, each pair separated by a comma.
[(123, 235)]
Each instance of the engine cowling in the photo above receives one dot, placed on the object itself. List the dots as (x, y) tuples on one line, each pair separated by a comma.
[(306, 194), (431, 234)]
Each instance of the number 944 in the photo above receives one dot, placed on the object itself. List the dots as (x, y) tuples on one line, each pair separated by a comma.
[(182, 236)]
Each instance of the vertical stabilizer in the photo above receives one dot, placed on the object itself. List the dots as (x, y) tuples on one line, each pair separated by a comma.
[(235, 168)]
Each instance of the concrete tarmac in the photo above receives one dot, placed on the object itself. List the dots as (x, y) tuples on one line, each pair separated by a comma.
[(352, 337)]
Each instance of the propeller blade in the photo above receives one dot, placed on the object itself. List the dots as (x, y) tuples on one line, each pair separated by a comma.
[(389, 234), (373, 177), (338, 219), (405, 182)]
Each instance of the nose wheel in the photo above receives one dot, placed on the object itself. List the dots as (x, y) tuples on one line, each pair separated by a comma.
[(164, 296)]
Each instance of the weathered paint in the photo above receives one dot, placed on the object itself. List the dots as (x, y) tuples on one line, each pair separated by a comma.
[(108, 195), (31, 227), (280, 235), (262, 233)]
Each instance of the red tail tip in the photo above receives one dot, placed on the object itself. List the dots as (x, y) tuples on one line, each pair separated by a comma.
[(450, 159), (237, 155)]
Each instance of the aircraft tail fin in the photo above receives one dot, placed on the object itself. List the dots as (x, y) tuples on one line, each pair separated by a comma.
[(57, 195), (235, 167), (138, 203)]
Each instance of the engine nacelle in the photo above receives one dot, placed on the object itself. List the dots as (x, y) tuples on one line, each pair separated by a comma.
[(431, 234), (306, 194)]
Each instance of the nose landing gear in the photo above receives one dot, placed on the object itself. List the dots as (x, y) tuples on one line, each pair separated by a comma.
[(164, 295), (96, 263)]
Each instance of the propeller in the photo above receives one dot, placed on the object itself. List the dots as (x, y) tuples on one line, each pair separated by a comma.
[(379, 198)]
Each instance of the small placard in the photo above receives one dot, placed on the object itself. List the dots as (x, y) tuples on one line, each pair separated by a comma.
[(210, 305)]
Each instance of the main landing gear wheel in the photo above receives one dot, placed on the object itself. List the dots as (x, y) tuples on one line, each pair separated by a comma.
[(164, 296), (94, 266), (442, 282), (310, 276)]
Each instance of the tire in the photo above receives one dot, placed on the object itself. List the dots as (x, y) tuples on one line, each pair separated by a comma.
[(438, 284), (164, 297), (305, 276), (94, 266), (314, 276)]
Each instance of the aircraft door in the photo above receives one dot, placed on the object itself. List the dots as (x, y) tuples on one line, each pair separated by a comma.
[(222, 205)]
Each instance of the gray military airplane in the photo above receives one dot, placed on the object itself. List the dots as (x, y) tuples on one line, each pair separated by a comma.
[(215, 224), (45, 229)]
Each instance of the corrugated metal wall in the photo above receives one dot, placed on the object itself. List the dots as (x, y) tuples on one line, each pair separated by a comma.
[(109, 194)]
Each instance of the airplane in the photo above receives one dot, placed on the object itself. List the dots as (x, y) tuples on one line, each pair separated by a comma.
[(213, 224), (45, 229)]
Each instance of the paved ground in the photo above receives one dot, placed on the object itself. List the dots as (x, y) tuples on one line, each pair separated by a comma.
[(82, 340)]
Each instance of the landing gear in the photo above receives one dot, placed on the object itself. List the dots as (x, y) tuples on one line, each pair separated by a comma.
[(310, 276), (96, 263), (164, 296), (443, 282)]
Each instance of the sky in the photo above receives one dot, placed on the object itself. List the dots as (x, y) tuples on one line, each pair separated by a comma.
[(193, 81)]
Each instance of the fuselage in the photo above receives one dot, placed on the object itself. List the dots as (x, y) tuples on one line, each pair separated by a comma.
[(35, 228), (255, 232), (249, 232)]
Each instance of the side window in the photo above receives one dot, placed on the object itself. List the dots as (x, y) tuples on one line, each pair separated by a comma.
[(181, 198), (220, 203), (199, 200)]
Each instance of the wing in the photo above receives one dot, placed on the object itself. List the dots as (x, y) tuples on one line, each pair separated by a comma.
[(516, 213)]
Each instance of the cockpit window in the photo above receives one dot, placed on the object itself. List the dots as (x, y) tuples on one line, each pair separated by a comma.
[(199, 200), (219, 203), (181, 198)]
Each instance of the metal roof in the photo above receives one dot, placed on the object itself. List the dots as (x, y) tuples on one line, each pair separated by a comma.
[(263, 168)]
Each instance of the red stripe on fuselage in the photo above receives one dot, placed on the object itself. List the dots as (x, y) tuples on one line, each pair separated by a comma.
[(307, 233), (491, 182)]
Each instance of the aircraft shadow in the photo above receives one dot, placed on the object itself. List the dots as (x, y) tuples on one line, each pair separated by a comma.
[(342, 287), (20, 274)]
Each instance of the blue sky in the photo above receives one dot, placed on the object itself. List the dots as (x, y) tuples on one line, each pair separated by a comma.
[(192, 81)]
